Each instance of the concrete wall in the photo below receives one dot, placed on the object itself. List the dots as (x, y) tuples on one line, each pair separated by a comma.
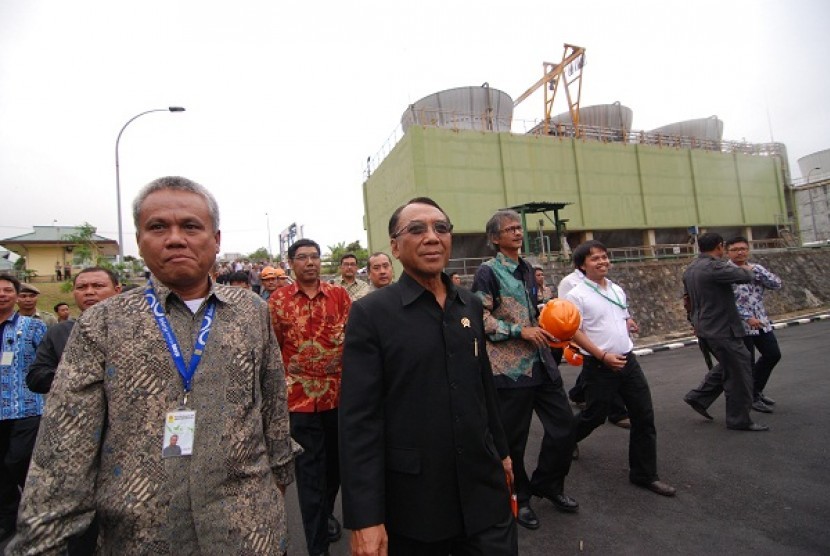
[(655, 288)]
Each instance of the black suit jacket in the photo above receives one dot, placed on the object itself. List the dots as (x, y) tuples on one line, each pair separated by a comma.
[(49, 352), (708, 282), (421, 442)]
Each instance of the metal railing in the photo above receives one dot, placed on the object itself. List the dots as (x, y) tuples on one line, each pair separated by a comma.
[(479, 122), (468, 266)]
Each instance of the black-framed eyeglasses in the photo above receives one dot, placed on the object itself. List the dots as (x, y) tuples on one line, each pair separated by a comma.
[(418, 228), (511, 229)]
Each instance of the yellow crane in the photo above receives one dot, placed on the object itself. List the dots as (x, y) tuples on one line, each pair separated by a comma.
[(568, 72)]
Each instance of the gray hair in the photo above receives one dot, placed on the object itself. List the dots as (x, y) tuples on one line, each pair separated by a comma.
[(176, 183), (493, 228)]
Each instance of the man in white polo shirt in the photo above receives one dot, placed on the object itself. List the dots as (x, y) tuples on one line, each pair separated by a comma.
[(610, 366)]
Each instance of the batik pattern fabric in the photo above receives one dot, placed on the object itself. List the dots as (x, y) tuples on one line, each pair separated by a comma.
[(749, 299), (356, 289), (505, 290), (21, 336), (310, 332), (99, 449)]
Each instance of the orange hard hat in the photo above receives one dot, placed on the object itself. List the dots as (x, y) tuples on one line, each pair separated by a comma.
[(560, 318), (572, 356)]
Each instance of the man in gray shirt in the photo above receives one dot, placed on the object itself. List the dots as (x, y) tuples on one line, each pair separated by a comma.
[(708, 281)]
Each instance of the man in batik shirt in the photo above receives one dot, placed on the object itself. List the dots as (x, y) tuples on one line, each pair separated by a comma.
[(309, 319), (749, 299), (119, 395)]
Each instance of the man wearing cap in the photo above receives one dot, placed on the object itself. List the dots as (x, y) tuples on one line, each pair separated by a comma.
[(270, 277), (348, 278), (21, 408), (27, 305), (526, 376)]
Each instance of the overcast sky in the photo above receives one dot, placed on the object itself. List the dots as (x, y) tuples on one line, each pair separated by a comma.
[(285, 101)]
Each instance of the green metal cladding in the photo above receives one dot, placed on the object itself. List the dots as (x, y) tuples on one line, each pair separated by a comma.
[(612, 185)]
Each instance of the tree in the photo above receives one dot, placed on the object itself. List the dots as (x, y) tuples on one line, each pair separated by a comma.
[(260, 254), (83, 244), (332, 259)]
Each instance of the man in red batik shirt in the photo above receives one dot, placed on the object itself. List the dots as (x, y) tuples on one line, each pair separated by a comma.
[(309, 318)]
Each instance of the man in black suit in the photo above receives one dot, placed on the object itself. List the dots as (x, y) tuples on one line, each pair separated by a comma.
[(714, 315), (424, 458)]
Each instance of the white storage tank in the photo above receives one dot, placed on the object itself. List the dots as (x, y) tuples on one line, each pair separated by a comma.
[(608, 116), (710, 129), (480, 108), (808, 164)]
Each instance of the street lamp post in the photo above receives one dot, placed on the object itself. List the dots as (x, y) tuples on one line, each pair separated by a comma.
[(118, 174)]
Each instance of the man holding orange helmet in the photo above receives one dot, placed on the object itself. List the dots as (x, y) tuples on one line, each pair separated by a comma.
[(526, 376), (610, 366)]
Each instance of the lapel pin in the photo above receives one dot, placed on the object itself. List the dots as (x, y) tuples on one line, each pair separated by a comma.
[(465, 322)]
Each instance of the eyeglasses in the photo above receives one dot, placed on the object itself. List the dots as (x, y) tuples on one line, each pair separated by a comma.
[(418, 228), (739, 249), (306, 257), (511, 229)]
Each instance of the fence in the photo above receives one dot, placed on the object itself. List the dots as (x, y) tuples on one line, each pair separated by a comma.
[(584, 132)]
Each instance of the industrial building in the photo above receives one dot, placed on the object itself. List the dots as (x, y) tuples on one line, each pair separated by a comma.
[(577, 175), (812, 198)]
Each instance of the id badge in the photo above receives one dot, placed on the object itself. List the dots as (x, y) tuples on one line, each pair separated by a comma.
[(8, 357), (179, 430)]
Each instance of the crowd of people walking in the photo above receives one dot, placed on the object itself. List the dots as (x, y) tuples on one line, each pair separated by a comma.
[(171, 418)]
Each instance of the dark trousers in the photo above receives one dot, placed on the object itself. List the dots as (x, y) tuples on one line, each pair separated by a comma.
[(17, 441), (616, 413), (516, 407), (770, 355), (601, 386), (317, 472), (731, 375), (501, 539), (707, 353)]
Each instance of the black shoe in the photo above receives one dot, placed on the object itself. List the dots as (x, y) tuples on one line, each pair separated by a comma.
[(527, 517), (659, 487), (334, 529), (766, 400), (564, 503), (758, 405), (624, 423), (752, 427), (696, 405)]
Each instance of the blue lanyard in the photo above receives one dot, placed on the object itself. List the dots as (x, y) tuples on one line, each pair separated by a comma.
[(186, 371)]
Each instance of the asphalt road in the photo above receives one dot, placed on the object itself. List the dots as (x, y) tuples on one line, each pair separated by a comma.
[(764, 493), (739, 493)]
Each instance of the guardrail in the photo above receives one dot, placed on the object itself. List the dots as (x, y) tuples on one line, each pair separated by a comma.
[(436, 118), (468, 266)]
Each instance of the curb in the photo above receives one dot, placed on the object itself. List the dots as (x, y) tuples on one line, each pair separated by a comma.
[(693, 341)]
